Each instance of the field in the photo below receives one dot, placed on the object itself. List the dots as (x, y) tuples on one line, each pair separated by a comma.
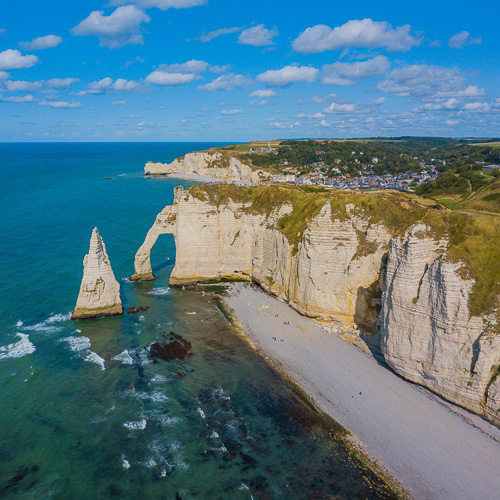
[(495, 144), (479, 191)]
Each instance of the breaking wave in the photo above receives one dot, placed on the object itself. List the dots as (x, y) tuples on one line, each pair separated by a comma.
[(17, 349)]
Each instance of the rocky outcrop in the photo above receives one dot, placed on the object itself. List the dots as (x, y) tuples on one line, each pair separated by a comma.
[(348, 270), (215, 242), (209, 164), (99, 291), (428, 334)]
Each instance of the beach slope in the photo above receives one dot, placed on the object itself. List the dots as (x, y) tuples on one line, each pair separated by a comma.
[(436, 450)]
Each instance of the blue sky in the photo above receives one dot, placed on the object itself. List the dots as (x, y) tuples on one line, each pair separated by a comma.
[(220, 70)]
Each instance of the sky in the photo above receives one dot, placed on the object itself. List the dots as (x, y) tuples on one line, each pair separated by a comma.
[(226, 70)]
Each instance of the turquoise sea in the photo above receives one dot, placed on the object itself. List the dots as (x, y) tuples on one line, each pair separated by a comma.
[(85, 410)]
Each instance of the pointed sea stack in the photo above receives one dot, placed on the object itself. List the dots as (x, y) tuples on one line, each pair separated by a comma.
[(99, 292)]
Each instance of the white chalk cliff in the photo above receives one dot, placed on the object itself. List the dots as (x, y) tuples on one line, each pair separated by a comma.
[(351, 272), (99, 291), (209, 164), (428, 334)]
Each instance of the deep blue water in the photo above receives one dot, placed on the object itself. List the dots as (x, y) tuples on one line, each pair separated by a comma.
[(84, 409)]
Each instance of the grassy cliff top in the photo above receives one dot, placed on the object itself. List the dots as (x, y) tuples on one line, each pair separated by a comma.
[(474, 239)]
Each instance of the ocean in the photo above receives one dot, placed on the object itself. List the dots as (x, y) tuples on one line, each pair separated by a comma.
[(86, 409)]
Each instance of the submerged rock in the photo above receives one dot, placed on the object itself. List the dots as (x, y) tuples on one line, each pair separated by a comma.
[(175, 347), (99, 291)]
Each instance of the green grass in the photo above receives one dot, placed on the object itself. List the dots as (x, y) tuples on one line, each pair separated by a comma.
[(477, 190), (495, 144), (474, 239)]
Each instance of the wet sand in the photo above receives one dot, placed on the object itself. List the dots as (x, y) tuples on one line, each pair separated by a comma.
[(438, 451)]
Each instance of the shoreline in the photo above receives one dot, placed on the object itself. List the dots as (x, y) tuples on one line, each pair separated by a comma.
[(433, 448), (202, 179)]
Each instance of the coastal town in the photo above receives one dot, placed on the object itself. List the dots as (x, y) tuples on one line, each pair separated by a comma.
[(401, 165), (399, 182)]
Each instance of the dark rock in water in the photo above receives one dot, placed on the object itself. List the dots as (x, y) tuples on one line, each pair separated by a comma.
[(174, 347), (19, 475), (133, 310), (144, 308)]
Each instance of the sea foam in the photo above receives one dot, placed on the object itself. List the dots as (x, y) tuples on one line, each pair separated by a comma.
[(124, 357), (81, 345), (136, 425), (17, 349), (159, 291), (48, 325)]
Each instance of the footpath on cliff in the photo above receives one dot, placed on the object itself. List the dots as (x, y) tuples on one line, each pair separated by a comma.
[(436, 450)]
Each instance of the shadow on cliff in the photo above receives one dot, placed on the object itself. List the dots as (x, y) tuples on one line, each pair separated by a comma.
[(367, 313)]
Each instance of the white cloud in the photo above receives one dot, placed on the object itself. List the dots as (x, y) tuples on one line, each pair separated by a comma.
[(161, 4), (423, 80), (325, 124), (125, 85), (121, 27), (451, 122), (100, 85), (463, 39), (316, 99), (59, 104), (259, 102), (118, 103), (13, 59), (21, 86), (60, 83), (341, 73), (159, 77), (314, 116), (363, 33), (450, 104), (214, 68), (192, 66), (106, 84), (262, 94), (378, 101), (289, 74), (258, 36), (211, 35), (477, 107), (281, 125), (42, 42), (138, 59), (24, 98), (229, 81), (340, 108), (4, 75), (231, 112)]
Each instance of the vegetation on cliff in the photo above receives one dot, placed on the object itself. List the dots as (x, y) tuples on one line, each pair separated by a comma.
[(474, 240)]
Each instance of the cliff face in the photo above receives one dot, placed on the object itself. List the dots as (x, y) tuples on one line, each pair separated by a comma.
[(326, 278), (99, 291), (347, 269), (210, 164), (428, 334)]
